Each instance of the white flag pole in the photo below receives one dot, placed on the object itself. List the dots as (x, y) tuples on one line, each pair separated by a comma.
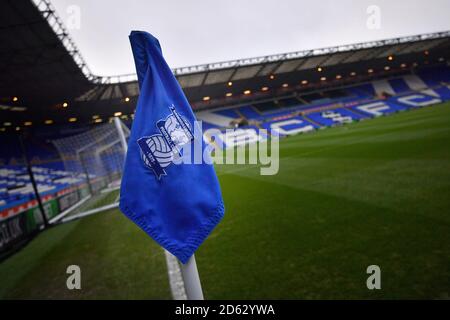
[(191, 280)]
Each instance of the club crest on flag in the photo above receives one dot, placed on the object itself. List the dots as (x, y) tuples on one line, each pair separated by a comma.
[(159, 150)]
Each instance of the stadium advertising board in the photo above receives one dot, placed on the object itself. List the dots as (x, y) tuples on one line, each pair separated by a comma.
[(12, 230), (20, 226)]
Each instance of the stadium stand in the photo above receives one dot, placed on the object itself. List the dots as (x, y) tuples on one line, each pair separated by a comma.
[(57, 97), (349, 105)]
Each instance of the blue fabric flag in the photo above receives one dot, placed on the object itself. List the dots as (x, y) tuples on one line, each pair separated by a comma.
[(178, 205)]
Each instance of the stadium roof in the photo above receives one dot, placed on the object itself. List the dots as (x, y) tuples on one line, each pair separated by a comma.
[(38, 61), (42, 70)]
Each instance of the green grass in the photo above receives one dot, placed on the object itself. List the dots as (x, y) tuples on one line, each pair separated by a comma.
[(117, 261), (374, 192)]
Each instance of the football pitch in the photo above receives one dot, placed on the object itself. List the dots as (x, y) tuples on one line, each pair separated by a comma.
[(375, 192)]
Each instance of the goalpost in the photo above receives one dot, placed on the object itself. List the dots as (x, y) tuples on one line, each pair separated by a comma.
[(98, 156)]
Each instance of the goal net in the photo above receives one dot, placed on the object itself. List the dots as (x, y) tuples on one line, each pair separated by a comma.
[(96, 157)]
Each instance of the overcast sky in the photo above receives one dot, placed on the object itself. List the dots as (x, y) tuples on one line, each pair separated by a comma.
[(202, 31)]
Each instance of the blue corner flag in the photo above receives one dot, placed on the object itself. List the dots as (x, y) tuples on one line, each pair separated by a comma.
[(177, 204)]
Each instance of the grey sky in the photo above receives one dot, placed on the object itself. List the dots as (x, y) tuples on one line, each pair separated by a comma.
[(202, 31)]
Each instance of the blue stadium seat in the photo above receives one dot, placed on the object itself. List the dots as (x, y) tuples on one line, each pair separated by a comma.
[(249, 112)]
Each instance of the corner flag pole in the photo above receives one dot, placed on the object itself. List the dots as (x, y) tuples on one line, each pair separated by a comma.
[(191, 280), (189, 270)]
